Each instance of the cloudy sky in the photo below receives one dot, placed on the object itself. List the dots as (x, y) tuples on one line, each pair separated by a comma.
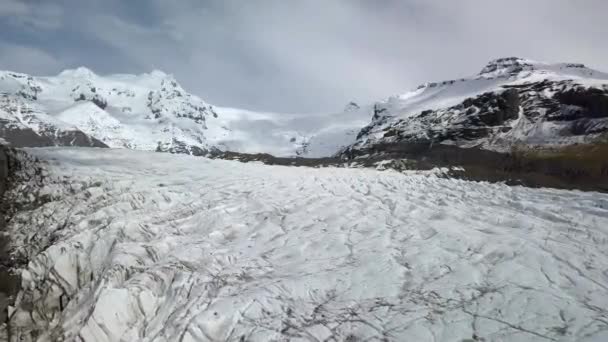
[(297, 55)]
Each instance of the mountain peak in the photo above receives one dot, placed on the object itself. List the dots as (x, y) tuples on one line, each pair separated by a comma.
[(351, 106), (80, 72), (159, 73), (161, 78), (506, 66)]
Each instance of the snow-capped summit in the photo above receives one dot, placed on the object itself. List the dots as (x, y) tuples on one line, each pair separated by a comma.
[(515, 67), (158, 73), (508, 66), (80, 72)]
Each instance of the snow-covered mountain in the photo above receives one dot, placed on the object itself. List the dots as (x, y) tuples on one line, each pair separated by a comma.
[(153, 112), (148, 112), (511, 101), (25, 122)]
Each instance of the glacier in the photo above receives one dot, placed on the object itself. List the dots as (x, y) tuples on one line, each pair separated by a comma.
[(123, 245)]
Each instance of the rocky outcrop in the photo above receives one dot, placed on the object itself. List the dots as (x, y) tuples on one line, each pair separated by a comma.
[(9, 281), (351, 106), (17, 136), (3, 169), (23, 137), (77, 138), (505, 67), (583, 102), (4, 290), (474, 118), (22, 177)]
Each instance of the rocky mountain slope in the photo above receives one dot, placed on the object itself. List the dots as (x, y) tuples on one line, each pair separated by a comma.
[(512, 101)]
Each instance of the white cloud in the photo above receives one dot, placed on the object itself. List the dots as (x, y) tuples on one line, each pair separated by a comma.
[(27, 59), (13, 7), (29, 15), (316, 55)]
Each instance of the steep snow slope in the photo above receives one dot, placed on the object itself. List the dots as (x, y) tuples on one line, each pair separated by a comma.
[(512, 100), (23, 123), (136, 246)]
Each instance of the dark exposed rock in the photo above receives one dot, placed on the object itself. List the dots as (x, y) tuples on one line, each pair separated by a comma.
[(390, 133), (96, 99), (26, 137), (473, 164), (9, 280), (77, 138), (365, 131), (586, 126), (3, 172), (575, 65), (507, 66), (483, 165), (425, 113), (272, 160), (351, 106), (492, 109), (378, 111), (592, 102), (99, 102), (177, 146), (23, 137)]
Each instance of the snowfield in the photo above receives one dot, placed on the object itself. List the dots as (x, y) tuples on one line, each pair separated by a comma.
[(142, 246)]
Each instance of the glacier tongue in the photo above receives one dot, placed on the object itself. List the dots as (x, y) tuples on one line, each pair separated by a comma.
[(125, 246)]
